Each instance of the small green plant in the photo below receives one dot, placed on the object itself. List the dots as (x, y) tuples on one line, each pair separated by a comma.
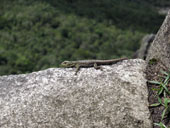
[(153, 61), (167, 108), (162, 93), (165, 103), (162, 86)]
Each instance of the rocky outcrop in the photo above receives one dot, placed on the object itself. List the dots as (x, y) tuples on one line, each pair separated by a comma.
[(163, 11), (115, 97), (145, 44), (160, 48)]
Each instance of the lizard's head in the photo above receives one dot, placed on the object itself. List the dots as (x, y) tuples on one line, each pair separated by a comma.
[(67, 64)]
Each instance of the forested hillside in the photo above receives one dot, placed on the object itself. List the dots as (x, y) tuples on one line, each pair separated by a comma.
[(36, 35), (157, 3)]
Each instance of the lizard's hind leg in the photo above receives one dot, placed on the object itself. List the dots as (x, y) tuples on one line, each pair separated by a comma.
[(97, 67)]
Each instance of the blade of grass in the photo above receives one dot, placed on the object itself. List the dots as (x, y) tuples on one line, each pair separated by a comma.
[(166, 80), (154, 82), (160, 91), (160, 124), (159, 99), (154, 105), (163, 72), (156, 89), (166, 89), (163, 114), (166, 101)]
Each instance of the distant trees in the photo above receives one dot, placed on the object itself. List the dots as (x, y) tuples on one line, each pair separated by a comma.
[(159, 3), (38, 35), (120, 13)]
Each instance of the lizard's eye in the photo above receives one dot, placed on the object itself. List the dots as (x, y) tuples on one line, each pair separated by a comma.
[(64, 63)]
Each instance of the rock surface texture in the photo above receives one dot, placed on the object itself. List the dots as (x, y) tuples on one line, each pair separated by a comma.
[(115, 97), (160, 48)]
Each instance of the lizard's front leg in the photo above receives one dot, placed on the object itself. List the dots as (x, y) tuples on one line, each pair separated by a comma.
[(77, 68)]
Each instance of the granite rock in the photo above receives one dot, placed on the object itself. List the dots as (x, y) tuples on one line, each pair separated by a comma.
[(115, 97)]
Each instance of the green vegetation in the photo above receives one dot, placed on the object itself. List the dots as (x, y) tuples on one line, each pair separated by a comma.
[(36, 35), (124, 14), (163, 95), (159, 3), (161, 125), (153, 61)]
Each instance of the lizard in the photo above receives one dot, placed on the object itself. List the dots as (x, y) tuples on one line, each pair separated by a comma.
[(89, 63)]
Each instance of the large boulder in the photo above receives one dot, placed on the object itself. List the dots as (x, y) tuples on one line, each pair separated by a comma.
[(160, 48), (115, 97)]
